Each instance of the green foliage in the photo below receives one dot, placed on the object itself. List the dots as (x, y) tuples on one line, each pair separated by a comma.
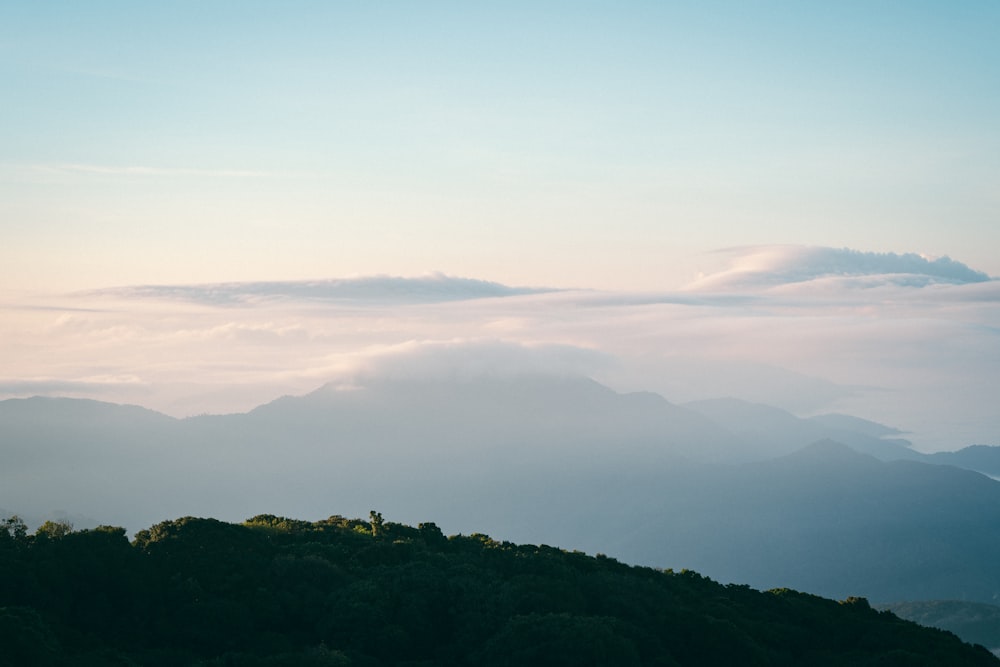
[(275, 591), (54, 530), (278, 523)]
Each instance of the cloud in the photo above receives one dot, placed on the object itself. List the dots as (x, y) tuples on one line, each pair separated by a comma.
[(98, 385), (762, 267), (431, 288), (467, 359)]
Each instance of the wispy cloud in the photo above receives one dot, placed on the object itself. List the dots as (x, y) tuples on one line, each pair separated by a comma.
[(99, 385)]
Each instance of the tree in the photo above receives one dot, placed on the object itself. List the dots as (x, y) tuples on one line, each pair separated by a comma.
[(54, 530), (433, 537), (377, 523), (14, 528)]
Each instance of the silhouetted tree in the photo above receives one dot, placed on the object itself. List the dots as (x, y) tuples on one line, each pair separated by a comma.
[(14, 528)]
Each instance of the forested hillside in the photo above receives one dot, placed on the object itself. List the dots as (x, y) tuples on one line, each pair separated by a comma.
[(275, 591)]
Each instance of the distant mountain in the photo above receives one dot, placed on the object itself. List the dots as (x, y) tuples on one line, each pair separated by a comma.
[(723, 487), (974, 622), (388, 441), (529, 415), (86, 457), (768, 431), (848, 423), (831, 521), (983, 458)]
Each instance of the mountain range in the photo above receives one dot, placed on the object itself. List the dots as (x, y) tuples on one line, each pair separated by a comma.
[(741, 492)]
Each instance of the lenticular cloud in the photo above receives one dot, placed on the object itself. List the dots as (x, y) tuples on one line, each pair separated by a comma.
[(770, 266), (431, 288)]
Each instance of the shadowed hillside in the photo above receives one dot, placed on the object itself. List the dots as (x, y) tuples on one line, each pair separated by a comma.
[(276, 591)]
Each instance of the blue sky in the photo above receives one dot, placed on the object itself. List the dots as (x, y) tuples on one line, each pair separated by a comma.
[(587, 144)]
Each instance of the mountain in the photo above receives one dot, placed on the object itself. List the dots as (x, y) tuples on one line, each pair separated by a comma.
[(832, 521), (768, 431), (83, 457), (344, 592), (389, 441), (520, 412), (855, 424), (982, 458), (542, 459), (974, 622)]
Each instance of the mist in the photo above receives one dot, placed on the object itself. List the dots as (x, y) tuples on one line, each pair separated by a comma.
[(897, 339)]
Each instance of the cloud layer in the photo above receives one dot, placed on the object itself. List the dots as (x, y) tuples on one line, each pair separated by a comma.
[(769, 266), (791, 328)]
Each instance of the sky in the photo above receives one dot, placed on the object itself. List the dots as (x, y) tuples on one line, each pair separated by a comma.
[(571, 144), (790, 202)]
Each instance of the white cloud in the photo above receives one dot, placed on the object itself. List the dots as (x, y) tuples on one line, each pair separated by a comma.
[(465, 359), (759, 267)]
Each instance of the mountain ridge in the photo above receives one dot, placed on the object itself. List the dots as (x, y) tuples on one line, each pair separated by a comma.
[(592, 468)]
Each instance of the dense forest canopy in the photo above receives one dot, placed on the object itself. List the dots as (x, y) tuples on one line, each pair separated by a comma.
[(277, 591)]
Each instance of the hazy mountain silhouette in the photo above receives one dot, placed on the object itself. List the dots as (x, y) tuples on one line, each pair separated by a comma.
[(982, 458), (830, 519), (380, 443), (768, 431), (974, 622), (543, 459), (856, 424)]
